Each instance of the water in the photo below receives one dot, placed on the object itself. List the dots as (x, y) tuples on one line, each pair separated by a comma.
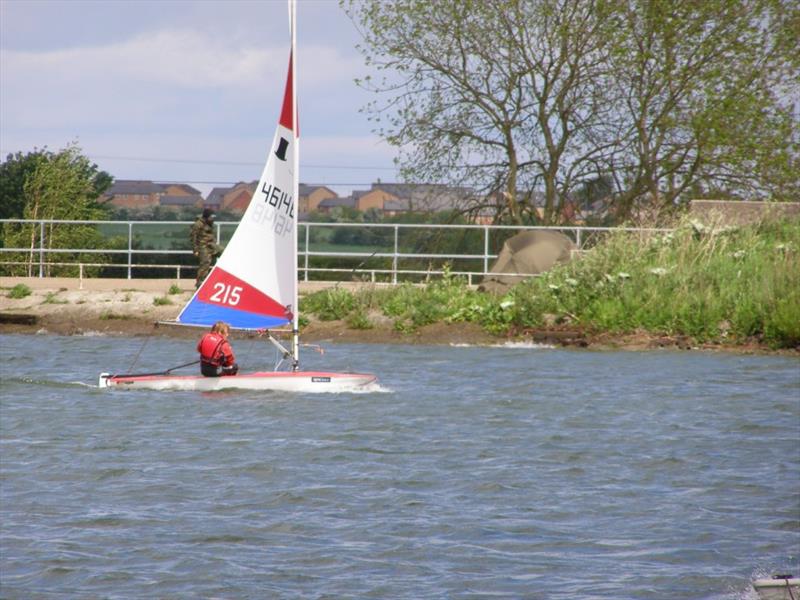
[(507, 472)]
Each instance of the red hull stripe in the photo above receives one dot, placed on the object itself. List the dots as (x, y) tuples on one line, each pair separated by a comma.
[(228, 291), (286, 111)]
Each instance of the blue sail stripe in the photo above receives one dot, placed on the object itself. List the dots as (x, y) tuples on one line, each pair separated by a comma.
[(203, 313)]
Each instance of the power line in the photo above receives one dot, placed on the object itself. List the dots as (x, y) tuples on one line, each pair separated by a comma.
[(337, 183), (234, 163), (229, 163)]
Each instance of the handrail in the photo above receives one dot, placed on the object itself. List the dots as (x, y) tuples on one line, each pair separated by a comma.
[(391, 248)]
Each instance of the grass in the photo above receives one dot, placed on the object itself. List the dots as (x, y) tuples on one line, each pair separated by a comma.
[(174, 289), (52, 298), (19, 291), (710, 283), (110, 316), (162, 301)]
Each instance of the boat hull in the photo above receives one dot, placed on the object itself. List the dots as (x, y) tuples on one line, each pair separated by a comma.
[(282, 381)]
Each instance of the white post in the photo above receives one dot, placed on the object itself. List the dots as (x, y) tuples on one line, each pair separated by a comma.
[(394, 259), (485, 250), (130, 247), (41, 249), (308, 226)]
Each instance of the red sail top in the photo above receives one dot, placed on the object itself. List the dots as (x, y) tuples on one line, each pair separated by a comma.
[(286, 111)]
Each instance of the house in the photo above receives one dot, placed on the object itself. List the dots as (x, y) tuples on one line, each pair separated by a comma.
[(392, 208), (310, 197), (374, 198), (330, 203), (178, 202), (237, 198), (139, 194), (177, 196), (428, 197), (215, 196), (132, 194)]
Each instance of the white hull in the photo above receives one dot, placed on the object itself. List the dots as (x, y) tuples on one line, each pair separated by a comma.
[(280, 381), (777, 589)]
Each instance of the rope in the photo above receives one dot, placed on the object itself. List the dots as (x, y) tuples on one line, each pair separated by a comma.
[(138, 354), (167, 372)]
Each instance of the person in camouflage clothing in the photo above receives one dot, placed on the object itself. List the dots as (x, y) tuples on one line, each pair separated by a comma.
[(204, 244)]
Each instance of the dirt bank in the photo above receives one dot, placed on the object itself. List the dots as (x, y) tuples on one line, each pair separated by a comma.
[(133, 308)]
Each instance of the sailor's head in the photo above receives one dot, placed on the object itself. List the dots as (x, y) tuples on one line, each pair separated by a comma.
[(222, 328), (208, 214)]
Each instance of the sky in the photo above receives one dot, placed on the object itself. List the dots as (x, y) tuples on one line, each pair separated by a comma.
[(186, 91)]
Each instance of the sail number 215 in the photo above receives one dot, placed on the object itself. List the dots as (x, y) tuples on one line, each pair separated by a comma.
[(226, 294)]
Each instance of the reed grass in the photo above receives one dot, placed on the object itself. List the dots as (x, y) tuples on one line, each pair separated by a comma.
[(705, 281)]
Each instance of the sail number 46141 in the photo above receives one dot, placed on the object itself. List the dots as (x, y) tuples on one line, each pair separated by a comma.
[(226, 294)]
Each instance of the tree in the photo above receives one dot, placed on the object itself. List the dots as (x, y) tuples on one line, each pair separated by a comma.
[(54, 186), (522, 97), (17, 168), (492, 95), (705, 92)]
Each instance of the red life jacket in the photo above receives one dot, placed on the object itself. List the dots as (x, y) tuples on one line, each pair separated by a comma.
[(212, 348)]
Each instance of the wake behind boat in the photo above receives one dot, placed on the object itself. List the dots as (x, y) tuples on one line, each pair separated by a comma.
[(253, 286)]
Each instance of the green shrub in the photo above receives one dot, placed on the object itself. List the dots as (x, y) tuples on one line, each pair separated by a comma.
[(174, 289), (52, 298), (329, 305), (109, 316), (162, 301), (19, 291), (358, 319)]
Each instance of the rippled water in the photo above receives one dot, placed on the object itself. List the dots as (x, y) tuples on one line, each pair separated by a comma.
[(509, 472)]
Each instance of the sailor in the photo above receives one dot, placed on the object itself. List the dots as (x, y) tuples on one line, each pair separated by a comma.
[(216, 354), (204, 244)]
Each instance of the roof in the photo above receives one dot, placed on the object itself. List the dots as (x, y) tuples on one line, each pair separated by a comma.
[(216, 195), (334, 202), (183, 186), (306, 189), (427, 196), (134, 187)]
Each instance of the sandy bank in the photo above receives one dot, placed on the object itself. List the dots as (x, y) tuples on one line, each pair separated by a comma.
[(133, 307)]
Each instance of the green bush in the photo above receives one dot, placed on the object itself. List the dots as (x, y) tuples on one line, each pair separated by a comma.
[(703, 282), (52, 298), (709, 283), (19, 291)]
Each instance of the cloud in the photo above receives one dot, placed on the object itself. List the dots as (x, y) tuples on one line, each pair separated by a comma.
[(176, 79), (178, 57), (185, 58)]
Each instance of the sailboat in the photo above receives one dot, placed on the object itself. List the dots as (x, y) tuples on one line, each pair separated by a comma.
[(253, 285)]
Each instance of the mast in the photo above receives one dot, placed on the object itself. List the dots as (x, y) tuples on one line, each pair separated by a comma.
[(296, 183)]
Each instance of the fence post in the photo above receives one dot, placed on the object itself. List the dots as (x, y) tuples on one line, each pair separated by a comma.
[(306, 261), (578, 237), (41, 249), (130, 247), (80, 276), (394, 258), (485, 250)]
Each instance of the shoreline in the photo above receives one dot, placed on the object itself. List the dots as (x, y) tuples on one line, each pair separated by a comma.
[(61, 306)]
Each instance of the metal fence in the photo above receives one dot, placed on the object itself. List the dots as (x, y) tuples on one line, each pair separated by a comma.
[(333, 251)]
